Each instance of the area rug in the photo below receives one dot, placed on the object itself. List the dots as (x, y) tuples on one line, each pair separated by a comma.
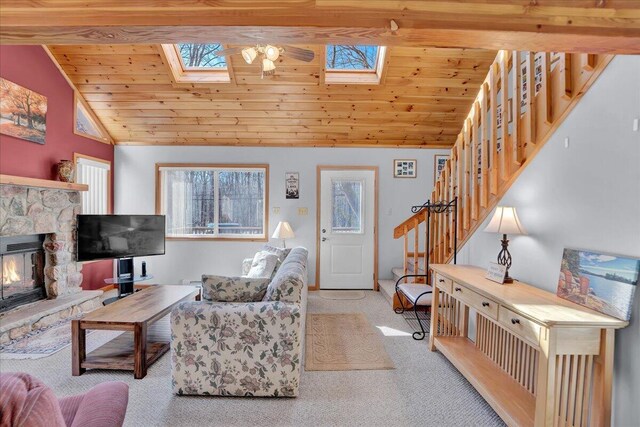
[(50, 340), (342, 295), (343, 342)]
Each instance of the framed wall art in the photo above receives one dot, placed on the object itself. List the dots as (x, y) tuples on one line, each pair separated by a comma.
[(22, 112), (405, 168), (439, 161), (292, 185)]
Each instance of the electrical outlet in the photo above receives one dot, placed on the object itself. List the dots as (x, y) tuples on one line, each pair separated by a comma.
[(635, 125), (566, 143), (303, 211), (275, 210)]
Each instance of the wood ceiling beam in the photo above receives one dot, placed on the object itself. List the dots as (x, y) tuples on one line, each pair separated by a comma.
[(605, 26)]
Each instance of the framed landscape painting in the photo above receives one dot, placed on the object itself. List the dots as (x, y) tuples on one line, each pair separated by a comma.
[(22, 112), (602, 282)]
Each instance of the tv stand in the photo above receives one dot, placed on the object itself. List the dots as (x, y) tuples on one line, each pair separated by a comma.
[(125, 279)]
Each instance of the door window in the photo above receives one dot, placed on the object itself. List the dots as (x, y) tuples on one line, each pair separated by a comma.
[(347, 200)]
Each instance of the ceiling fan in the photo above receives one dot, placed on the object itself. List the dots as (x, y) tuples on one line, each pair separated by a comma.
[(268, 55)]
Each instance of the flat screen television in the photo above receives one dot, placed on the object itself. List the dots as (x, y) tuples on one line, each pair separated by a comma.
[(120, 236)]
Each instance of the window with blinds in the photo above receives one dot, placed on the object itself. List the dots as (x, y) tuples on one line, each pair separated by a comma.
[(214, 202), (96, 174)]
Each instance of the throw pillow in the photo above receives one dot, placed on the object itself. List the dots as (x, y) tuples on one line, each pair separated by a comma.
[(263, 265), (281, 252), (233, 289)]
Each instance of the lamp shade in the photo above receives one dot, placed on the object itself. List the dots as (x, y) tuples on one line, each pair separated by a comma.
[(271, 52), (505, 221), (283, 231), (249, 54), (268, 65)]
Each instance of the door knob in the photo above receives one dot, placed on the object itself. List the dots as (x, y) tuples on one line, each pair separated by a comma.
[(324, 239)]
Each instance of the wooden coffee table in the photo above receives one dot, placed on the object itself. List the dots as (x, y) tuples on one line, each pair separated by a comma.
[(134, 350)]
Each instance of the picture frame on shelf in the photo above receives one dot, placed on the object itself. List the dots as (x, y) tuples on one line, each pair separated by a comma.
[(602, 282), (405, 168)]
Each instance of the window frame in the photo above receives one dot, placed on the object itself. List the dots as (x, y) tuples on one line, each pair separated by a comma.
[(235, 237), (180, 74), (78, 156), (78, 100), (375, 76)]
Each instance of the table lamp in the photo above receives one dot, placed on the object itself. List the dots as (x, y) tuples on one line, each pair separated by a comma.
[(283, 231), (505, 221)]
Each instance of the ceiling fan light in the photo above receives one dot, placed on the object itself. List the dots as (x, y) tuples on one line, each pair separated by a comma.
[(271, 52), (249, 54), (268, 65)]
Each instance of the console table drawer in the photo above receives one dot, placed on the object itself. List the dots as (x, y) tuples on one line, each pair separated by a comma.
[(520, 325), (481, 303), (444, 284)]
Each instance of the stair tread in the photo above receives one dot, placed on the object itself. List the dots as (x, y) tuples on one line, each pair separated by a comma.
[(388, 289)]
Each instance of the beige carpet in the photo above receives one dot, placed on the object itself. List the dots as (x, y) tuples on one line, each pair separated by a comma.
[(424, 390), (343, 342)]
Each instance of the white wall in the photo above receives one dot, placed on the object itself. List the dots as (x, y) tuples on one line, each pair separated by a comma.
[(135, 194), (586, 197)]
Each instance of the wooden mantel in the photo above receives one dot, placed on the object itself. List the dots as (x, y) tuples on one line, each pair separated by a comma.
[(41, 183)]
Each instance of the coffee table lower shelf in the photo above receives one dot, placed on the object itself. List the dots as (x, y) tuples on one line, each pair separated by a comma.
[(119, 353)]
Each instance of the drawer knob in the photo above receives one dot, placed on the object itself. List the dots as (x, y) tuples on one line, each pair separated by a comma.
[(485, 304), (441, 280), (515, 321), (458, 289)]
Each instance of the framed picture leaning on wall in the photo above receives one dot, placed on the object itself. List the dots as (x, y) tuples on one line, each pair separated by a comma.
[(602, 282)]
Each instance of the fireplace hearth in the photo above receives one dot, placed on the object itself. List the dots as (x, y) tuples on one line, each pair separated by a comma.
[(23, 260)]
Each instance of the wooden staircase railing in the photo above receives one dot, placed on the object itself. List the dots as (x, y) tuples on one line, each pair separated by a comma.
[(493, 148)]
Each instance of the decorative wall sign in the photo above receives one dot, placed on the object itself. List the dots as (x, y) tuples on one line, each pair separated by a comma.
[(405, 168), (439, 161), (292, 185), (22, 112), (496, 272), (602, 282)]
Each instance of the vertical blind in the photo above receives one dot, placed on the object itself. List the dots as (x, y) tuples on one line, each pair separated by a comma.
[(96, 175)]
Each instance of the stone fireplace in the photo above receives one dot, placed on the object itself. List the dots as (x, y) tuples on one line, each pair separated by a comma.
[(27, 211), (49, 213)]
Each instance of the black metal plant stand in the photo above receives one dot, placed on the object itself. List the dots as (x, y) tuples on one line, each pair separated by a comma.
[(431, 208)]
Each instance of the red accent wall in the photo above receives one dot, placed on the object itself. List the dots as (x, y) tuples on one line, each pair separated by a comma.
[(31, 67)]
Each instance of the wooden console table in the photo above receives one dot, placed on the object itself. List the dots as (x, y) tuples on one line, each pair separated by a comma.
[(537, 359), (133, 350)]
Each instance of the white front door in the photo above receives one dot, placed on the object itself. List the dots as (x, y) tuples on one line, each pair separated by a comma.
[(347, 228)]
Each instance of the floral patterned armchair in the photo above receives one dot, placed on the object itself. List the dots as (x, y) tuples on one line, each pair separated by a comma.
[(247, 348)]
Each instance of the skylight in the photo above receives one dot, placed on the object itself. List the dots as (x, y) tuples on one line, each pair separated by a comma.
[(195, 56), (196, 63), (354, 64), (352, 57)]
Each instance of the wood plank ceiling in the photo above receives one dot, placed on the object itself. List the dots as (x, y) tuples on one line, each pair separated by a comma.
[(422, 101)]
